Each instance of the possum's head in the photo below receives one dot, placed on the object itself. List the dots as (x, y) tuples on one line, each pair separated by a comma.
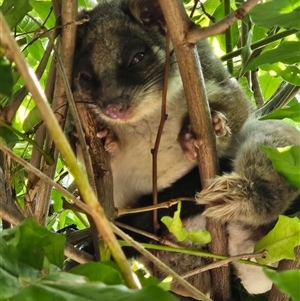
[(120, 59)]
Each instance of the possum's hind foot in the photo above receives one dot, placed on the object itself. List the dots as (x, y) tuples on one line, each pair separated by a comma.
[(109, 139), (186, 138), (228, 198)]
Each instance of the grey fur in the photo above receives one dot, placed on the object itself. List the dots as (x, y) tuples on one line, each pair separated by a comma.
[(112, 77)]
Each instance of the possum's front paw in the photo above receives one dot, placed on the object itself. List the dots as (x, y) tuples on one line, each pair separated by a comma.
[(110, 140), (228, 198), (188, 143), (187, 140), (220, 124)]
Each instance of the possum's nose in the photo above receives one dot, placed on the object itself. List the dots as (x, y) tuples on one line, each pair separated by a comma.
[(116, 111)]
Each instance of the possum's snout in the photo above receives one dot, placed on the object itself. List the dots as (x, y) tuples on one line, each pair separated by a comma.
[(116, 111)]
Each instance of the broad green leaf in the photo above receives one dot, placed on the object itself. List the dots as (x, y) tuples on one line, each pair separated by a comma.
[(287, 282), (6, 78), (286, 161), (290, 74), (14, 11), (283, 13), (269, 84), (287, 52), (43, 9), (98, 271), (43, 243), (68, 288), (280, 241), (8, 138), (32, 119), (13, 273), (291, 112), (8, 270)]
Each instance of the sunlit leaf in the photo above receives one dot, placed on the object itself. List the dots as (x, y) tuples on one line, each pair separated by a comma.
[(287, 52), (287, 282), (291, 112), (280, 241), (284, 13), (42, 243), (286, 161), (14, 11)]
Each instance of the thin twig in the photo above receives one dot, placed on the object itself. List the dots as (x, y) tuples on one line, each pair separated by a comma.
[(159, 239), (44, 177), (224, 262), (96, 211), (163, 118), (167, 204), (159, 264), (200, 33)]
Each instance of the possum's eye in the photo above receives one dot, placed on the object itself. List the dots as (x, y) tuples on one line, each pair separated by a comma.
[(85, 77), (136, 59)]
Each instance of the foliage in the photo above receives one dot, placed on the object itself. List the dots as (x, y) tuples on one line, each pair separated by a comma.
[(28, 270), (265, 44), (287, 282), (175, 226), (281, 241)]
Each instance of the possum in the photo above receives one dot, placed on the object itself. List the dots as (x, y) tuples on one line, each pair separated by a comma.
[(253, 195), (118, 73), (248, 197)]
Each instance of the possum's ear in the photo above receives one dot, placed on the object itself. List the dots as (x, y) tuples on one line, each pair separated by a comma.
[(83, 19), (147, 12)]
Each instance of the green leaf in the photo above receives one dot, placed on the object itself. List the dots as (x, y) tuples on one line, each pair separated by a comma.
[(99, 271), (287, 282), (286, 161), (287, 52), (6, 78), (280, 241), (290, 74), (31, 120), (8, 137), (174, 225), (43, 243), (291, 112), (200, 236), (68, 287), (14, 11), (13, 273), (269, 84), (283, 13)]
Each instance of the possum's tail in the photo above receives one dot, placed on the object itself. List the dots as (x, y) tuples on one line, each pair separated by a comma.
[(232, 197)]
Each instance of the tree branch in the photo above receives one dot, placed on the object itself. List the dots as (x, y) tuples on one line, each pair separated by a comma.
[(197, 33), (96, 211)]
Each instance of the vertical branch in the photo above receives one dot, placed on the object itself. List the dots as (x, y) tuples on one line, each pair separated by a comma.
[(67, 43), (199, 113), (94, 208)]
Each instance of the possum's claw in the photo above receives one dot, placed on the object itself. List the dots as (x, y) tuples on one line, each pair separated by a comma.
[(110, 140), (220, 124), (187, 140)]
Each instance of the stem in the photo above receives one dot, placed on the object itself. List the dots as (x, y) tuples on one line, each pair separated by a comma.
[(96, 211)]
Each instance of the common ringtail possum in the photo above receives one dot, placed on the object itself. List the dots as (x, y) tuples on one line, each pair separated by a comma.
[(118, 73)]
